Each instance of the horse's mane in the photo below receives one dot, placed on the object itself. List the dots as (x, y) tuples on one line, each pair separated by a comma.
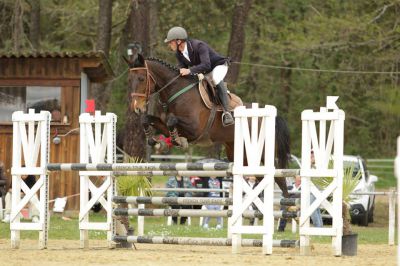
[(162, 62), (170, 67)]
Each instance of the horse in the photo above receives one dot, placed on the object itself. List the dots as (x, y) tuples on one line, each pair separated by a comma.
[(182, 112)]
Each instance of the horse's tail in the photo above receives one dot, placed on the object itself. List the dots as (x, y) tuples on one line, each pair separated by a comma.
[(282, 139)]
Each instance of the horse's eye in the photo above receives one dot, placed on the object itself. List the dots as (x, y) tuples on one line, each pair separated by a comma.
[(141, 78)]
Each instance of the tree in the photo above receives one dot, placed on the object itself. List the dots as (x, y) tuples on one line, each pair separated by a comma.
[(237, 40), (137, 29), (104, 26), (34, 27), (17, 25), (101, 92)]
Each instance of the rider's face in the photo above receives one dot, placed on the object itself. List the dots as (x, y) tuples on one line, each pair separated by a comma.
[(173, 45)]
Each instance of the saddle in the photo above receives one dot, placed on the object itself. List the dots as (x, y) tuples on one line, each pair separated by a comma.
[(209, 96)]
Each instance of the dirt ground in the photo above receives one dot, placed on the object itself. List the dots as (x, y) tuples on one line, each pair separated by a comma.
[(67, 252)]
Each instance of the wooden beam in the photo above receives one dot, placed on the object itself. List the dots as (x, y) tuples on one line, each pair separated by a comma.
[(41, 82)]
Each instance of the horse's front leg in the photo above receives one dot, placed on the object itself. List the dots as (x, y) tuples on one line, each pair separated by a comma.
[(172, 122), (149, 122)]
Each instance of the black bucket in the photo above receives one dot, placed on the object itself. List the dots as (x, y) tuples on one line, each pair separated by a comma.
[(349, 245)]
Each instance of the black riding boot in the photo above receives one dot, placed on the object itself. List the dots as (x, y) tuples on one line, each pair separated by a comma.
[(227, 118)]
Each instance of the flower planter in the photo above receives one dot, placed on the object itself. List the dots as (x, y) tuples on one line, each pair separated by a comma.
[(349, 245)]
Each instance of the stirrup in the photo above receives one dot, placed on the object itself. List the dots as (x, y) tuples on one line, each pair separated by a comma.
[(227, 119)]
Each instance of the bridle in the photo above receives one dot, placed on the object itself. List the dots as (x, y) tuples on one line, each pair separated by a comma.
[(150, 80)]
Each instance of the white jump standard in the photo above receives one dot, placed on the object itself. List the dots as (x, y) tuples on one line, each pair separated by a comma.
[(254, 137)]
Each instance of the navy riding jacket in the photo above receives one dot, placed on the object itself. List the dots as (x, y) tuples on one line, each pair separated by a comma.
[(203, 59)]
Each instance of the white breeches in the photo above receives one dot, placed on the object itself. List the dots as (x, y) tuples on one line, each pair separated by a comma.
[(218, 73)]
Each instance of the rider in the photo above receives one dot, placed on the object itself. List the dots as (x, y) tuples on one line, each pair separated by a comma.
[(195, 57)]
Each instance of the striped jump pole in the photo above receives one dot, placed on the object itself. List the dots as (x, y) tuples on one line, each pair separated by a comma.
[(198, 213), (207, 173), (199, 241), (139, 167), (161, 169), (223, 173), (193, 200)]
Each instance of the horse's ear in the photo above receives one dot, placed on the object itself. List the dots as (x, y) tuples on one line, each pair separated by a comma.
[(140, 59)]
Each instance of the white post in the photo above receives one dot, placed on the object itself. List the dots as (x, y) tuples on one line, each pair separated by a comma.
[(16, 188), (392, 215), (230, 207), (337, 220), (237, 181), (112, 189), (305, 191), (44, 214), (397, 173), (294, 226), (269, 163), (140, 219), (84, 181)]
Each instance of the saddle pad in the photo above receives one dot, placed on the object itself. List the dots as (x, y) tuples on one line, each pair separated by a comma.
[(234, 100)]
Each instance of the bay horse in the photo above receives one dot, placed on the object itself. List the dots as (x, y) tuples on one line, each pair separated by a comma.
[(182, 112)]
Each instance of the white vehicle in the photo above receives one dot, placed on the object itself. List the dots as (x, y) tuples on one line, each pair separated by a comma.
[(362, 206)]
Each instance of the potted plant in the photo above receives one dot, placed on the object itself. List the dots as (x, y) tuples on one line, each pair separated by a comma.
[(350, 181), (349, 238), (130, 185)]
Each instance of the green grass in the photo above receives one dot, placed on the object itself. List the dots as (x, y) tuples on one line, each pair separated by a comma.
[(386, 179), (376, 233)]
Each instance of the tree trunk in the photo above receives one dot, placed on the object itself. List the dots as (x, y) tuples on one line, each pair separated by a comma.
[(104, 26), (346, 219), (141, 24), (237, 41), (101, 92), (137, 29), (34, 28), (17, 26), (285, 88)]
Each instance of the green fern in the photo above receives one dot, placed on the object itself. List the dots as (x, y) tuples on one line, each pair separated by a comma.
[(133, 185), (350, 182)]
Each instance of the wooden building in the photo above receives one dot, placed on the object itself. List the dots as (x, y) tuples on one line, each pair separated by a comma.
[(59, 82)]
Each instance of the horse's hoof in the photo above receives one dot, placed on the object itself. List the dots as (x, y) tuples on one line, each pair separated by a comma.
[(181, 143), (184, 143), (152, 142)]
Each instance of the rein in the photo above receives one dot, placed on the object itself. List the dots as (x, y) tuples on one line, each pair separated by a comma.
[(148, 95)]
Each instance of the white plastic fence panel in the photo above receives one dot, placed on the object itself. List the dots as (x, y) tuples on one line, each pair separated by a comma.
[(31, 134), (314, 126), (254, 138), (97, 136)]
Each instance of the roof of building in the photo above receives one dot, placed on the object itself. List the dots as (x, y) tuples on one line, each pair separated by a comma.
[(99, 55)]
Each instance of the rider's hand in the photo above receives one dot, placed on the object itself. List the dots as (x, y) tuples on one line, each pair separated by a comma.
[(184, 71)]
